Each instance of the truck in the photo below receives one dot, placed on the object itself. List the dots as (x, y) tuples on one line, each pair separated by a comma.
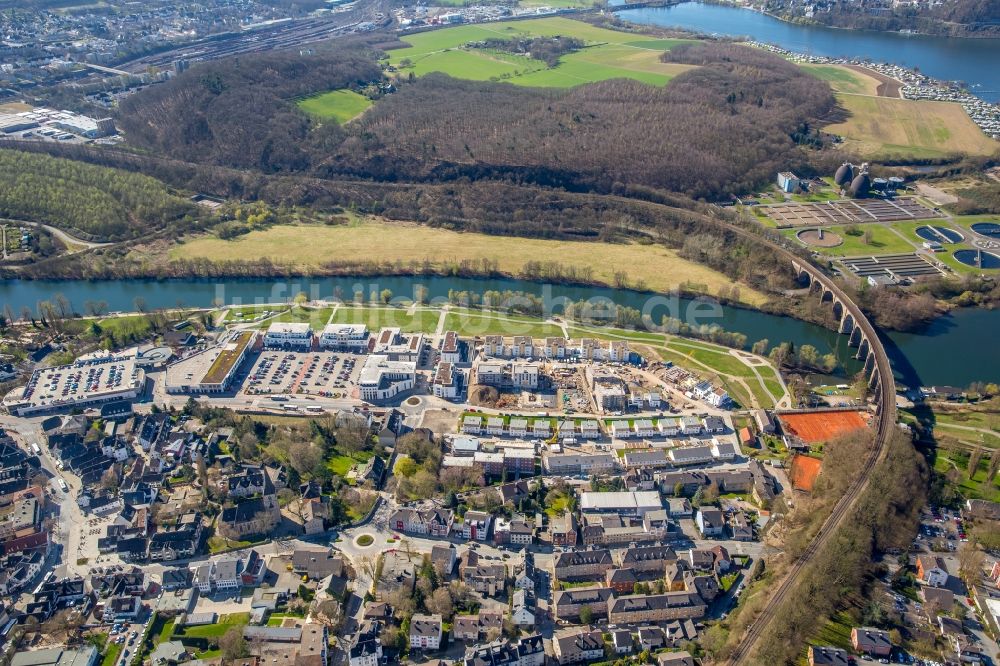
[(62, 486)]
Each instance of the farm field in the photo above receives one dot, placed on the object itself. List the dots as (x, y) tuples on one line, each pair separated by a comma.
[(657, 268), (339, 105), (843, 79), (609, 54), (886, 127)]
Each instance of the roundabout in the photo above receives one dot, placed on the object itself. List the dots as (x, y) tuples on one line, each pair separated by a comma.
[(364, 540)]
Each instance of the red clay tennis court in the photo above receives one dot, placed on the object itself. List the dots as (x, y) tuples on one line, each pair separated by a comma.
[(822, 426), (803, 472)]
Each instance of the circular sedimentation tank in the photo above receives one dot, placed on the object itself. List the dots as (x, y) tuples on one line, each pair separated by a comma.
[(978, 258), (988, 229), (939, 234)]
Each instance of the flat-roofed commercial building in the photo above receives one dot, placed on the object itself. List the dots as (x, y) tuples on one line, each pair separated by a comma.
[(288, 335), (213, 370), (382, 379), (80, 384), (352, 337), (635, 503)]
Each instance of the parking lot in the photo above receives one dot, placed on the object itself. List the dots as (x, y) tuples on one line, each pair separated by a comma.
[(323, 373)]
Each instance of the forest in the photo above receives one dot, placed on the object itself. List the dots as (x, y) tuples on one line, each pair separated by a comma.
[(91, 202), (240, 111), (722, 128), (713, 131)]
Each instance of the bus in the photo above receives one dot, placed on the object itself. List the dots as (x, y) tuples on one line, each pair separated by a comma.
[(314, 409), (290, 408), (63, 487), (279, 398)]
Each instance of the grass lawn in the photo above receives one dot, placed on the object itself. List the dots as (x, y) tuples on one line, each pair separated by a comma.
[(471, 322), (316, 317), (130, 325), (245, 314), (608, 54), (644, 337), (376, 317), (975, 488), (341, 465), (339, 105), (651, 266), (836, 632), (884, 241), (767, 373), (720, 361), (111, 655), (224, 624), (844, 79), (556, 507), (883, 127), (218, 544)]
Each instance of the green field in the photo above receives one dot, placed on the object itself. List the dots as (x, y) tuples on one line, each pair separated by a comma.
[(341, 465), (224, 624), (884, 127), (608, 54), (470, 323), (843, 79), (424, 321), (339, 105), (884, 241)]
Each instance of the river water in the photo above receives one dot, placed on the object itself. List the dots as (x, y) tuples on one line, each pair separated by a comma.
[(973, 61), (956, 349)]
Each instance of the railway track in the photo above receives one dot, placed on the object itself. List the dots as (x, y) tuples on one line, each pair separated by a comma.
[(886, 422)]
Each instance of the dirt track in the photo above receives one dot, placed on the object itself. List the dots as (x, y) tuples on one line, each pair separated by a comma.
[(887, 87)]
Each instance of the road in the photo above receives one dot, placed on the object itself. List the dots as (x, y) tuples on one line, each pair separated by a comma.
[(58, 233)]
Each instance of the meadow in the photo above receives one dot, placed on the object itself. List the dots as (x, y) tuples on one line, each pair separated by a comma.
[(884, 127), (609, 54), (308, 246), (339, 105), (843, 79)]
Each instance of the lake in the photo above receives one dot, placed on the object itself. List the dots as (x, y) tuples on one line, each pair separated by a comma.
[(957, 349), (973, 61)]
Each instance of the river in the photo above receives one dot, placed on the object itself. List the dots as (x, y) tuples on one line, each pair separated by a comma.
[(956, 350), (973, 61)]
